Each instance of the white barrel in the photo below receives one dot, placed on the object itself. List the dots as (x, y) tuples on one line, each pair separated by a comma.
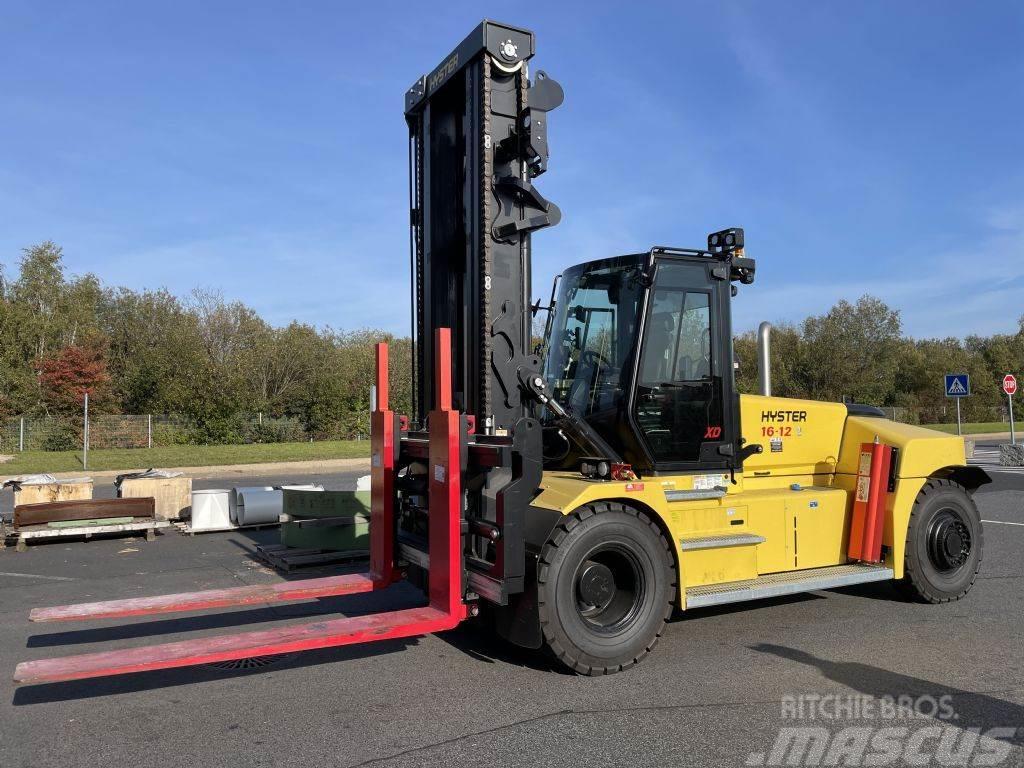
[(237, 494), (211, 509), (255, 506)]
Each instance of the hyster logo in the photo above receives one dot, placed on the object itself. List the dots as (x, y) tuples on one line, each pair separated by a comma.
[(778, 416), (442, 72)]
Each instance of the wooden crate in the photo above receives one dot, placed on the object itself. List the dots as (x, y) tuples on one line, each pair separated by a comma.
[(81, 509), (173, 495), (51, 492)]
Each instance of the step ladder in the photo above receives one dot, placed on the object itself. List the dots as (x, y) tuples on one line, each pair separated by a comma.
[(790, 583)]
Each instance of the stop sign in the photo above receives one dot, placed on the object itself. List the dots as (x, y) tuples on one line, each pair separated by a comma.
[(1009, 384)]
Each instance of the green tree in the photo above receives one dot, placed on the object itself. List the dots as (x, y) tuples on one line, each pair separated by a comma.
[(278, 365), (787, 351), (156, 355), (851, 352)]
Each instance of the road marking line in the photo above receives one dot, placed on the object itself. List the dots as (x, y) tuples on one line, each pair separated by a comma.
[(37, 576), (1001, 522)]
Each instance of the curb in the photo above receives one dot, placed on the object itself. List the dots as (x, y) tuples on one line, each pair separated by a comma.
[(286, 467), (988, 436)]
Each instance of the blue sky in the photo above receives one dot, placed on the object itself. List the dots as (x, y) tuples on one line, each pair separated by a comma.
[(258, 148)]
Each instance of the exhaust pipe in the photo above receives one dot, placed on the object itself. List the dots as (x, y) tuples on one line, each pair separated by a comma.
[(764, 358)]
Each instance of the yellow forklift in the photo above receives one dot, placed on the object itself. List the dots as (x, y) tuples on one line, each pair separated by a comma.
[(573, 494)]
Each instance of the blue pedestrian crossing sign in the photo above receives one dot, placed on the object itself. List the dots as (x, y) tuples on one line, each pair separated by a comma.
[(958, 385)]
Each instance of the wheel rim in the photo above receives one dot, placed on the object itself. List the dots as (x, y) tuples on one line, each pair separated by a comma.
[(949, 540), (609, 587)]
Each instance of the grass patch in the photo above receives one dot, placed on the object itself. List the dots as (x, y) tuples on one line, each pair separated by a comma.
[(972, 428), (183, 456), (168, 457)]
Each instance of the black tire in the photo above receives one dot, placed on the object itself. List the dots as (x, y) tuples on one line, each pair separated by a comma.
[(945, 543), (606, 582)]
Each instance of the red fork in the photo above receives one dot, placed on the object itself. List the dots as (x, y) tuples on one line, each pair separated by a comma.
[(445, 611)]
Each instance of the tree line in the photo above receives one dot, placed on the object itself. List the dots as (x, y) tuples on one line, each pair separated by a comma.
[(857, 352), (217, 362), (203, 357)]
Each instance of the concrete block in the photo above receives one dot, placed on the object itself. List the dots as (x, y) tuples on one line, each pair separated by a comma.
[(1011, 455)]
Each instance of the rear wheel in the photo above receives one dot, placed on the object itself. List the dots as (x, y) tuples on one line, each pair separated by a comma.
[(944, 543), (606, 581)]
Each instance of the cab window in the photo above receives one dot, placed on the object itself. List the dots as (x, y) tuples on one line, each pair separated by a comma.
[(678, 404), (593, 334)]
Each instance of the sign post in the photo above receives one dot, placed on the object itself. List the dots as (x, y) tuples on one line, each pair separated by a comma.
[(958, 385), (1010, 388), (85, 432)]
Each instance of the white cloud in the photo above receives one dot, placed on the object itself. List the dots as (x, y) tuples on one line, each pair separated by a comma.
[(348, 280), (977, 288)]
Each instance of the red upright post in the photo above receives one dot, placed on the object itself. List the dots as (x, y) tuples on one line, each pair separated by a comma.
[(445, 523), (868, 520), (382, 479)]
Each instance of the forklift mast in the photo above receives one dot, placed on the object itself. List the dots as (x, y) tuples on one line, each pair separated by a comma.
[(477, 140)]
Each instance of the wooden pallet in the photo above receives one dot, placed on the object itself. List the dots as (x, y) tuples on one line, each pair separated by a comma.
[(323, 522), (22, 535), (185, 526), (286, 558)]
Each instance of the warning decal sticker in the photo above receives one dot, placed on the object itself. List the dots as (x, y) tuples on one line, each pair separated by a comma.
[(708, 482), (863, 488), (865, 463)]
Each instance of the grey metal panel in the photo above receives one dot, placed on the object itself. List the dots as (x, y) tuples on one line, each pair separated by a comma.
[(486, 587), (413, 555), (711, 493), (719, 542), (483, 585), (778, 584)]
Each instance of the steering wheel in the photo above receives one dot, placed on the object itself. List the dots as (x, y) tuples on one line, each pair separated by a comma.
[(592, 357), (589, 362)]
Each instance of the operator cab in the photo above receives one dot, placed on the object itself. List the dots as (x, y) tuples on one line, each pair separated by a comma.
[(640, 348)]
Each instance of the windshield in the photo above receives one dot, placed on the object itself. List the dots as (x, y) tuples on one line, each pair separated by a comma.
[(592, 334)]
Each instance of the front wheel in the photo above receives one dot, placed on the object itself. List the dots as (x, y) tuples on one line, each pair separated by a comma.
[(606, 581), (944, 543)]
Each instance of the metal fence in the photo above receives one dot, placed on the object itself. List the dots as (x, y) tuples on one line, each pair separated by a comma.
[(946, 415), (61, 433)]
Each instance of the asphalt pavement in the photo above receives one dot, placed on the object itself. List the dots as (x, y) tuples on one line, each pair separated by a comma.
[(722, 687)]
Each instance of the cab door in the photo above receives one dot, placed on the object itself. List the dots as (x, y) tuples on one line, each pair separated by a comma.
[(683, 408)]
